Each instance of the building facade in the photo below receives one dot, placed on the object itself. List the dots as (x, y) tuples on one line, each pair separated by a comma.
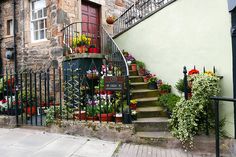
[(39, 24)]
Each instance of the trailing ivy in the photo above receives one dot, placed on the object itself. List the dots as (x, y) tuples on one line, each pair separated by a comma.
[(186, 117)]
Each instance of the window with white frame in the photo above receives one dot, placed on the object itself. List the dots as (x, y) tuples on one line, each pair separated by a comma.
[(38, 20)]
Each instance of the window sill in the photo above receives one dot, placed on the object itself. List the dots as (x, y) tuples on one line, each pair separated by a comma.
[(7, 36), (39, 42)]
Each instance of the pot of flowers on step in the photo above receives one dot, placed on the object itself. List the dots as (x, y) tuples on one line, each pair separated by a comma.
[(105, 112), (141, 68), (165, 89), (152, 82), (133, 104)]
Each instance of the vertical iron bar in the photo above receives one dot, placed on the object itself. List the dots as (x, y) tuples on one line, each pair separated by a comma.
[(48, 87), (31, 119), (54, 92), (7, 91), (217, 138), (66, 93), (35, 99), (26, 98), (40, 97), (21, 90), (73, 89), (11, 86), (185, 83), (60, 91)]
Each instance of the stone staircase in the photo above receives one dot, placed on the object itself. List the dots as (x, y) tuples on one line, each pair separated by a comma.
[(152, 121)]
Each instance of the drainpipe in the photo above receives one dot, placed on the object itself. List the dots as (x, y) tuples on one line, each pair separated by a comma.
[(15, 58)]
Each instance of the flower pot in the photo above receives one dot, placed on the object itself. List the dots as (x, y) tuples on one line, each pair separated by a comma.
[(152, 85), (110, 20), (133, 106), (79, 115), (92, 118), (28, 110), (141, 72), (105, 117), (93, 50), (134, 67), (145, 79), (162, 92), (92, 76), (81, 49), (118, 118)]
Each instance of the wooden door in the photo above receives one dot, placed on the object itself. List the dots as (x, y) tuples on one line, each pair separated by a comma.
[(91, 22)]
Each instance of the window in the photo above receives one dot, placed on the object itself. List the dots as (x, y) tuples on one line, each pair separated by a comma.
[(38, 20), (9, 27)]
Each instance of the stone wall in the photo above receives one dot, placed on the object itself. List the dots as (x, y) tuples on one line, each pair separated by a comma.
[(38, 55)]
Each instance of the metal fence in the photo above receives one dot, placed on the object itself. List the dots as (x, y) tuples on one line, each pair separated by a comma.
[(57, 94), (137, 12)]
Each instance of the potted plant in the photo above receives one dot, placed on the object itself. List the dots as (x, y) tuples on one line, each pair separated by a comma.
[(133, 104), (92, 111), (106, 111), (92, 74), (80, 43), (92, 49), (141, 68), (165, 88), (169, 101), (110, 19), (180, 87), (152, 82), (129, 59)]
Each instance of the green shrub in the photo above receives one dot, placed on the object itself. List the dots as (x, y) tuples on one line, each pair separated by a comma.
[(180, 86), (169, 101), (165, 87)]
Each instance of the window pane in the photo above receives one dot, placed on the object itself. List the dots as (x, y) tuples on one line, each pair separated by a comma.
[(45, 23), (34, 15), (45, 12), (36, 35), (41, 24), (35, 25), (40, 14), (42, 34)]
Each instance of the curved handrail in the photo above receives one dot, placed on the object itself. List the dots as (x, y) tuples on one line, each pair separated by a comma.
[(119, 50)]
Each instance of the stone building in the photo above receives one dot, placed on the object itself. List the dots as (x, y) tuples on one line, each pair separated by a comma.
[(39, 24)]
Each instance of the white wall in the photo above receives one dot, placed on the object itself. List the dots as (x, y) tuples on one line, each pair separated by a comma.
[(186, 33)]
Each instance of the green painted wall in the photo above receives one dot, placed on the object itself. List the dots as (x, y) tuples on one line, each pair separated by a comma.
[(186, 33)]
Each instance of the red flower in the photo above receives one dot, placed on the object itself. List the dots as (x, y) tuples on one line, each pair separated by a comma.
[(193, 71)]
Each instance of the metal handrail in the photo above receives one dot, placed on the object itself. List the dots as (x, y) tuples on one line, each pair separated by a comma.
[(217, 132), (138, 12)]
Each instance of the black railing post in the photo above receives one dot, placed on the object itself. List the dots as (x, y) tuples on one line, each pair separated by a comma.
[(185, 83), (217, 128)]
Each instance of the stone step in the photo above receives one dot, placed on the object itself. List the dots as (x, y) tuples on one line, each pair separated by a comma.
[(139, 85), (143, 93), (151, 124), (133, 73), (148, 112), (136, 78), (147, 102)]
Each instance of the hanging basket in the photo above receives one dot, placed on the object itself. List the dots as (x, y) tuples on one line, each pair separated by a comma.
[(110, 20)]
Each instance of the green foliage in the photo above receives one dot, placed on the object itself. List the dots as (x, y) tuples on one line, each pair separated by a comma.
[(92, 110), (140, 64), (180, 86), (186, 117), (55, 116), (105, 107), (169, 101), (165, 87)]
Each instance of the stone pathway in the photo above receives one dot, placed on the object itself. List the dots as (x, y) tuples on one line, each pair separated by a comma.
[(133, 150), (27, 143)]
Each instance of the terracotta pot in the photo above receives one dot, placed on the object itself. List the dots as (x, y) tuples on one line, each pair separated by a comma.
[(134, 67), (163, 92), (110, 20), (141, 72), (93, 50), (28, 109), (81, 49), (105, 118), (91, 118), (133, 106), (92, 76), (79, 115), (118, 119), (145, 79)]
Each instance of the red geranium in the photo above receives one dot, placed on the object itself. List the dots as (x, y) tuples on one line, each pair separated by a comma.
[(193, 71)]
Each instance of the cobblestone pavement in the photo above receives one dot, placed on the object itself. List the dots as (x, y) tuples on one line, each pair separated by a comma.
[(133, 150)]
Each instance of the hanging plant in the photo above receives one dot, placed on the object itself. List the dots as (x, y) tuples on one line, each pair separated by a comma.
[(186, 117)]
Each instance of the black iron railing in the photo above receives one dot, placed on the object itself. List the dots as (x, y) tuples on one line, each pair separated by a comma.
[(217, 125), (137, 12)]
